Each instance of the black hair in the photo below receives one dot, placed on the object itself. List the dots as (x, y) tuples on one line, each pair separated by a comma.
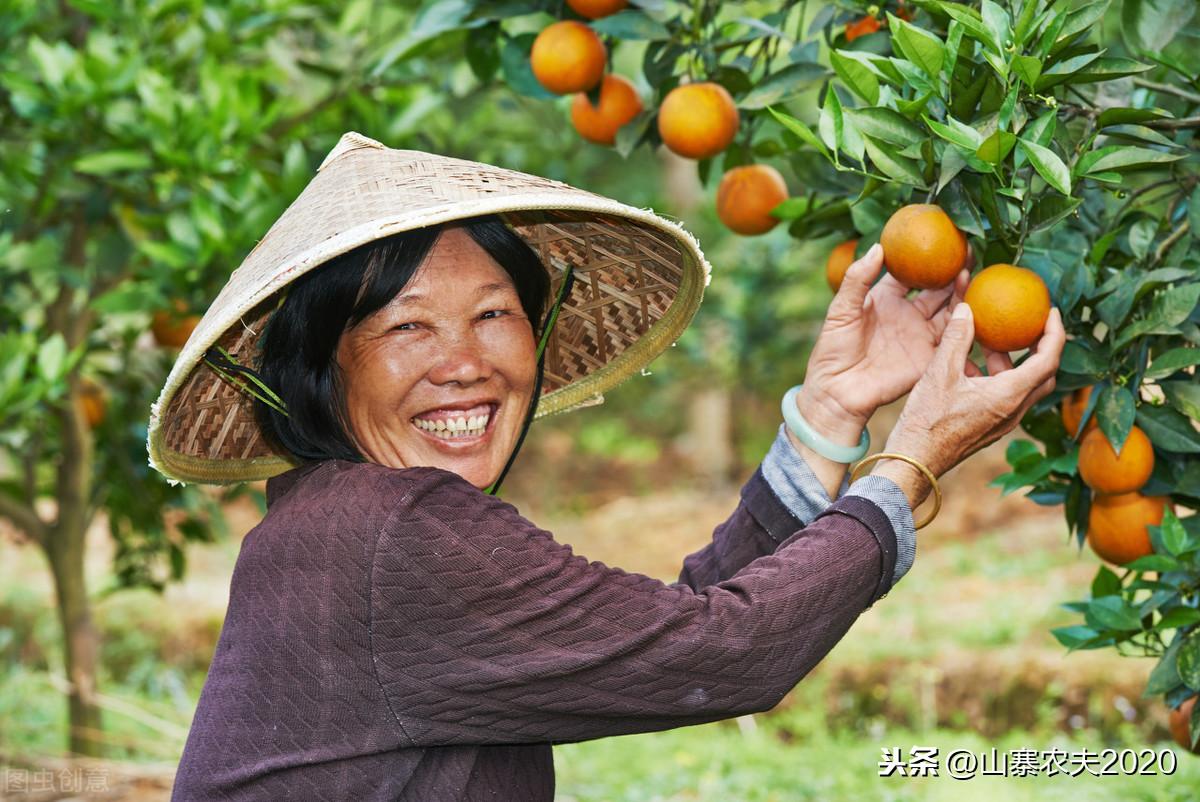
[(299, 344)]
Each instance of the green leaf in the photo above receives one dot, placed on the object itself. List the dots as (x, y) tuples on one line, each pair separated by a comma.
[(1050, 209), (1150, 25), (972, 23), (1188, 663), (1063, 70), (1080, 360), (1154, 562), (431, 21), (1074, 637), (1121, 157), (1048, 165), (1112, 612), (52, 358), (857, 77), (1169, 309), (782, 84), (516, 69), (1194, 212), (630, 24), (1115, 412), (1105, 583), (1171, 361), (996, 20), (1108, 69), (996, 147), (1082, 18), (887, 125), (1117, 116), (1028, 69), (1184, 396), (114, 161), (1168, 430), (893, 166), (1165, 675), (799, 129), (1141, 235), (1174, 537), (918, 45)]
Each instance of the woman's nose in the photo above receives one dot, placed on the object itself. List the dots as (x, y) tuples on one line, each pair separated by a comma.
[(461, 361)]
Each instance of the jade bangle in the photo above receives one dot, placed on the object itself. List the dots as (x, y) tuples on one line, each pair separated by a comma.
[(808, 435)]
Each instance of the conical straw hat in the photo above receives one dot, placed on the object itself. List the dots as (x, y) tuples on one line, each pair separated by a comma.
[(638, 279)]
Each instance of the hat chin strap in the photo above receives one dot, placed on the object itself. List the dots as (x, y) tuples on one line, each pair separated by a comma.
[(551, 318)]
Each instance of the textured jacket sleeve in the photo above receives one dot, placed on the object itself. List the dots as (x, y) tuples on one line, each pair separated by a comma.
[(484, 630)]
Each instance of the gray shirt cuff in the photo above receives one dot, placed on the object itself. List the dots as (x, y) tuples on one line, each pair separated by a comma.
[(794, 483)]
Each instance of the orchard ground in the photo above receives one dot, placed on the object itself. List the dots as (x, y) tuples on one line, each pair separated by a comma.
[(959, 655)]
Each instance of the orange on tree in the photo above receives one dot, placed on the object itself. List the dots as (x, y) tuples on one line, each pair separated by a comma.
[(746, 196), (619, 103), (93, 400), (698, 120), (840, 259), (1179, 722), (172, 330), (1010, 305), (1073, 407), (861, 27), (595, 9), (1105, 472), (1117, 525), (567, 57), (922, 247)]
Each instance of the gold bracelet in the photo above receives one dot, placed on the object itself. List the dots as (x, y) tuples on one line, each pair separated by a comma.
[(937, 491)]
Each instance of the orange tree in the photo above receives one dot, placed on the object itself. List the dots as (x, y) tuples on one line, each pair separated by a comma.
[(1058, 136)]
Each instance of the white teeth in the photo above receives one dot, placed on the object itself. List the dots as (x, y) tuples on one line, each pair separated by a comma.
[(471, 426)]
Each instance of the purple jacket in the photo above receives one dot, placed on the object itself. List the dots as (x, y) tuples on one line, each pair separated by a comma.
[(401, 635)]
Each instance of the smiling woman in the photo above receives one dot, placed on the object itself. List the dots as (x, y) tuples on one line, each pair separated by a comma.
[(396, 632), (414, 350)]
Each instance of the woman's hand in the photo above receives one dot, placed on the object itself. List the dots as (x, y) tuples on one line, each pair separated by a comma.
[(873, 347), (954, 410)]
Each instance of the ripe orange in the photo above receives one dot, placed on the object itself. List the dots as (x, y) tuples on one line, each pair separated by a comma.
[(1104, 472), (595, 9), (567, 57), (1072, 411), (1117, 525), (93, 400), (922, 247), (172, 331), (1010, 305), (840, 258), (619, 103), (1179, 722), (746, 196), (698, 120), (861, 27)]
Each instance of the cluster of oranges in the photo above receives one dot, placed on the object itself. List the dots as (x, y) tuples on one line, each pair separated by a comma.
[(923, 249), (1120, 513), (696, 120)]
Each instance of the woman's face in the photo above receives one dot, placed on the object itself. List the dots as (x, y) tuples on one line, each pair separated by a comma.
[(442, 376)]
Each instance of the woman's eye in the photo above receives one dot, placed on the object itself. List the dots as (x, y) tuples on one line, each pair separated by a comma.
[(497, 312), (404, 326)]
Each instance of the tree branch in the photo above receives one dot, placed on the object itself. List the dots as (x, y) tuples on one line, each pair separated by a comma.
[(1173, 125), (1167, 89), (24, 517), (1166, 244)]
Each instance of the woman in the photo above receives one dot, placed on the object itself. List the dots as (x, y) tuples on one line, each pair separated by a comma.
[(395, 631)]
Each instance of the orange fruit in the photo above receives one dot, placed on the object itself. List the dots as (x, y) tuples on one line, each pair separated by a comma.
[(595, 9), (1010, 305), (922, 247), (1072, 411), (840, 258), (173, 330), (619, 103), (568, 57), (1179, 722), (1117, 525), (1105, 472), (698, 120), (93, 400), (746, 196), (861, 27)]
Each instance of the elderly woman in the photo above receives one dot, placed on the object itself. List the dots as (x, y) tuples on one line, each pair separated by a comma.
[(397, 632)]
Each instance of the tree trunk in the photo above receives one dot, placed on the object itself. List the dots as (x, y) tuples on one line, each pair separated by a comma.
[(708, 443), (81, 643)]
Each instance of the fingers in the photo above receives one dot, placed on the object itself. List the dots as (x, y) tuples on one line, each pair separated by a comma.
[(857, 282), (971, 369), (1042, 363), (996, 361), (928, 302), (955, 345)]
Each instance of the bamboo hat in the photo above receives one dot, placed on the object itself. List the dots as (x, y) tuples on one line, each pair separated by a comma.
[(638, 279)]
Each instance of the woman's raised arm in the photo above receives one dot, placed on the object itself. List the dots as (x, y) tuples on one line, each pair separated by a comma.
[(485, 630)]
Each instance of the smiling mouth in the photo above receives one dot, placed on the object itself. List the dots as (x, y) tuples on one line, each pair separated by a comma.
[(449, 426)]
